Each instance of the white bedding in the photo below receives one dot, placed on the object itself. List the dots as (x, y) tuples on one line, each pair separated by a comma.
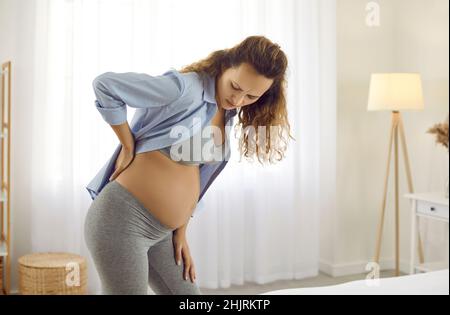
[(432, 283)]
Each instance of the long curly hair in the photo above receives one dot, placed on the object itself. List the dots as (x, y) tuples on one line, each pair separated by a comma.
[(264, 127)]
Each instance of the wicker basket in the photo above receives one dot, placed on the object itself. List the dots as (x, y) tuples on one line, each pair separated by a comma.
[(52, 274)]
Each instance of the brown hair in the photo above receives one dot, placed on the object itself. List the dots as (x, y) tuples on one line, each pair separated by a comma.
[(270, 109)]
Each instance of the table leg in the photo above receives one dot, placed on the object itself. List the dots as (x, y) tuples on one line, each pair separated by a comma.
[(413, 238)]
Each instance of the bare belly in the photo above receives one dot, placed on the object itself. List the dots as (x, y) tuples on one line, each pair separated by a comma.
[(169, 190)]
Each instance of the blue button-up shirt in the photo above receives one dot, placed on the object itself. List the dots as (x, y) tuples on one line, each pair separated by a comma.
[(161, 102)]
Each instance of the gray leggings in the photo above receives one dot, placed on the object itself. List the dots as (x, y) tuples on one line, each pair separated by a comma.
[(131, 249)]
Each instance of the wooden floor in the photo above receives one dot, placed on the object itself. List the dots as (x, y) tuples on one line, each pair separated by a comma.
[(321, 280)]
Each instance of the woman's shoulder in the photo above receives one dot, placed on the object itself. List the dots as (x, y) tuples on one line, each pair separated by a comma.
[(191, 77), (194, 82)]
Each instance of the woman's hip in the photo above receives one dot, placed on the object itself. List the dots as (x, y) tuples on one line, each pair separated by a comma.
[(115, 212)]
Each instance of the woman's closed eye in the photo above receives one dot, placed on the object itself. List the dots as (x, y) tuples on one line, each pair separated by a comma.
[(237, 89)]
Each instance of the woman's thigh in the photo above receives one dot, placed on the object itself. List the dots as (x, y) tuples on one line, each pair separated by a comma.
[(165, 276)]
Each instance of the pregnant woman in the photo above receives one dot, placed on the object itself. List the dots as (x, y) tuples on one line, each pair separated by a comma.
[(144, 196)]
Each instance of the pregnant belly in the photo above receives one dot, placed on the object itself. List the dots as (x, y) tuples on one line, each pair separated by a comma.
[(167, 189)]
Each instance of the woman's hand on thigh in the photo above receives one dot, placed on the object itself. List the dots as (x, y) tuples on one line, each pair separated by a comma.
[(182, 251)]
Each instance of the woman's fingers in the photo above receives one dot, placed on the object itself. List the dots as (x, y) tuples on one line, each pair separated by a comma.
[(182, 253), (192, 272), (188, 265), (119, 170), (178, 255), (113, 176), (116, 173)]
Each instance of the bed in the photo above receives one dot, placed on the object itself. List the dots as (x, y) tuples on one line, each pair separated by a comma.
[(432, 283)]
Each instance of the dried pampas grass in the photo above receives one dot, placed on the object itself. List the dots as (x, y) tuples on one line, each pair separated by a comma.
[(441, 132)]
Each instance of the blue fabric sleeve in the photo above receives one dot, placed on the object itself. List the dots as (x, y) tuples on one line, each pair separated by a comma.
[(116, 90)]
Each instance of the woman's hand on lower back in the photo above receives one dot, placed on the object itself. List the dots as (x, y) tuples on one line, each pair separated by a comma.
[(124, 160), (126, 155)]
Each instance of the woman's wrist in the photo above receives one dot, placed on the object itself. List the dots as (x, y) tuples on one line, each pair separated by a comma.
[(128, 147), (181, 230), (125, 135)]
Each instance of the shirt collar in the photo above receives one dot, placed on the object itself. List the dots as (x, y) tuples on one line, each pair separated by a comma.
[(209, 94)]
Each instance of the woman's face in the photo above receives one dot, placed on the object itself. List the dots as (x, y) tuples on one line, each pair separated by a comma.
[(241, 86)]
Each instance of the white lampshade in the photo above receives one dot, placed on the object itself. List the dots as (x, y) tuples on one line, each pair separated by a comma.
[(395, 92)]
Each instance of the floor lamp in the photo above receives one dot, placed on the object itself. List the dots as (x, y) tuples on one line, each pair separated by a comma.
[(395, 92)]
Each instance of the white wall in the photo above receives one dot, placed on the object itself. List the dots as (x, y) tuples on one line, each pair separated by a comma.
[(423, 46), (412, 37)]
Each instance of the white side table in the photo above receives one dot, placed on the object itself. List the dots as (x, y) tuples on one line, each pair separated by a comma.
[(426, 205)]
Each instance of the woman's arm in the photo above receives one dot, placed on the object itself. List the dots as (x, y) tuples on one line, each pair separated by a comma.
[(126, 154), (125, 135), (116, 90)]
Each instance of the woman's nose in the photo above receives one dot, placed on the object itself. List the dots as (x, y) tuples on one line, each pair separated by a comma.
[(236, 100)]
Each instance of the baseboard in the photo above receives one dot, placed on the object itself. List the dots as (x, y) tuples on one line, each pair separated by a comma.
[(338, 270)]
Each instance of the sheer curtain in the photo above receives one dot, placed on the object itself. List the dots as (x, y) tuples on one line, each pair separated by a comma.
[(256, 223)]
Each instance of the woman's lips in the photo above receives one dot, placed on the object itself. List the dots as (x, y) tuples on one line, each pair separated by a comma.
[(230, 103)]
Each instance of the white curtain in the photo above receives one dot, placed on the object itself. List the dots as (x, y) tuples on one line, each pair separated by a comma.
[(257, 224)]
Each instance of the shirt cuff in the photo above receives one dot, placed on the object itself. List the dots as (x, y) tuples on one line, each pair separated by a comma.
[(113, 116)]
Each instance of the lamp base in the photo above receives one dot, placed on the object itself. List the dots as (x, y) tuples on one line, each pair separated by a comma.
[(396, 129)]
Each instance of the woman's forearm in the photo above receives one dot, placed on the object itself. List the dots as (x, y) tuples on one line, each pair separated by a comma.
[(124, 134)]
